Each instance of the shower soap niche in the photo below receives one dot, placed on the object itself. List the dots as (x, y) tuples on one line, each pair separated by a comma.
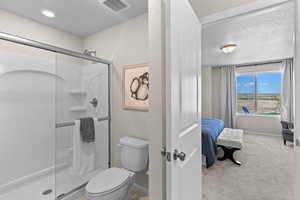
[(78, 109), (78, 92)]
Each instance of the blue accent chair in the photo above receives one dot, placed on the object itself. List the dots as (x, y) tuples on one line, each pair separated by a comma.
[(245, 110)]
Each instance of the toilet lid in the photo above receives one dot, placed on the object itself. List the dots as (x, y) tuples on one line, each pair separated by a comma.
[(107, 180)]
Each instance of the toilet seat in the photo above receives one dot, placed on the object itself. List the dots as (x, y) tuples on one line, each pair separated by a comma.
[(107, 181)]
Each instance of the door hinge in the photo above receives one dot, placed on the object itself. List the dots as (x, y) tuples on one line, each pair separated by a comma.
[(165, 154)]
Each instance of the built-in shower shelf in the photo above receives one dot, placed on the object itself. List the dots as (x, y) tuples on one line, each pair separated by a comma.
[(78, 92), (78, 109)]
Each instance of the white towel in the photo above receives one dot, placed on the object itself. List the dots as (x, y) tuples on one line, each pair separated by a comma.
[(84, 154)]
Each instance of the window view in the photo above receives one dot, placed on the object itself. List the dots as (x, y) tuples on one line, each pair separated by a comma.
[(259, 93)]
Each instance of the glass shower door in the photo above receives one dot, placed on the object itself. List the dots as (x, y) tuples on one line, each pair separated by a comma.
[(82, 93), (27, 132)]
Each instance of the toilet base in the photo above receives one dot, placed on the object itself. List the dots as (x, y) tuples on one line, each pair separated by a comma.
[(122, 193)]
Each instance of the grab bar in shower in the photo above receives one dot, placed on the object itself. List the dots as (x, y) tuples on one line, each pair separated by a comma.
[(65, 124)]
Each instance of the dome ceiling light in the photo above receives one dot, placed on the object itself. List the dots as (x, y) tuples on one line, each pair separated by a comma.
[(228, 48)]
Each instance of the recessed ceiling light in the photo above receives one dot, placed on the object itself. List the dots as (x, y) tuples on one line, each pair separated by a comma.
[(48, 13), (228, 48)]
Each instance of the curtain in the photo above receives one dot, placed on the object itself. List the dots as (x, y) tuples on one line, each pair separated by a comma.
[(287, 91), (228, 95)]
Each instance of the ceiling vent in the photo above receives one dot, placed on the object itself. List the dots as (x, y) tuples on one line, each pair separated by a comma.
[(115, 5)]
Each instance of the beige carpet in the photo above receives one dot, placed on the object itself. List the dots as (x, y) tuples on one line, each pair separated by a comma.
[(266, 174)]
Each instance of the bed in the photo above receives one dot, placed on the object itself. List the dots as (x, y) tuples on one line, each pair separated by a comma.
[(211, 129)]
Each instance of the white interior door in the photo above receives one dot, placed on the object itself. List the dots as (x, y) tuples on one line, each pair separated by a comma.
[(183, 68)]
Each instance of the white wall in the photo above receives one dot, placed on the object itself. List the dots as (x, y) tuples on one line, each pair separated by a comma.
[(215, 94), (260, 36), (23, 27), (124, 44), (256, 124)]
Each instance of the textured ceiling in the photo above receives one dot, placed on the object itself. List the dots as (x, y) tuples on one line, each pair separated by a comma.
[(79, 17), (263, 35), (207, 7)]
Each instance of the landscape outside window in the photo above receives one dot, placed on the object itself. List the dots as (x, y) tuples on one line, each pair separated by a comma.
[(259, 93)]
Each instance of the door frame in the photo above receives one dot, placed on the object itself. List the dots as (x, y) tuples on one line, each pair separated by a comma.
[(157, 168), (297, 97), (254, 7)]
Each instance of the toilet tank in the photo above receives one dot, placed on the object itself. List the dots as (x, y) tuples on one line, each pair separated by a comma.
[(134, 154)]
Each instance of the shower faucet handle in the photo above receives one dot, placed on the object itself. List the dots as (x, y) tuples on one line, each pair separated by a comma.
[(94, 102)]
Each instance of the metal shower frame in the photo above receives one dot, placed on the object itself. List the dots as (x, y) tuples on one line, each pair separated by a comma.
[(39, 45)]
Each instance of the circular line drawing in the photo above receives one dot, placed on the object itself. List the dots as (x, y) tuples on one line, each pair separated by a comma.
[(139, 87)]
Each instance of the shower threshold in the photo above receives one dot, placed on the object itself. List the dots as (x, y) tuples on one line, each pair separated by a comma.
[(64, 185), (72, 193)]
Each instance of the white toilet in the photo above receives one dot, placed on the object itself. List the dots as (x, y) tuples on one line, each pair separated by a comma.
[(115, 183)]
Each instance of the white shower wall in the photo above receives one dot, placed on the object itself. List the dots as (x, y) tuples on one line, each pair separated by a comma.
[(91, 79), (36, 96), (95, 82), (27, 104)]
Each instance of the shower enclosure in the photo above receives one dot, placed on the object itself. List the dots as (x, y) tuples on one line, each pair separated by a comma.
[(44, 91)]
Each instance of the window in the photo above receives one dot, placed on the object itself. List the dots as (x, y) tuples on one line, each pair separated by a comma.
[(259, 90)]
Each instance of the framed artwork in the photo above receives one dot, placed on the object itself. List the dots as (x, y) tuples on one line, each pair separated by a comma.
[(136, 87)]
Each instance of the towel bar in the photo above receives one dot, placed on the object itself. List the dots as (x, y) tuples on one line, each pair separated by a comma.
[(65, 124)]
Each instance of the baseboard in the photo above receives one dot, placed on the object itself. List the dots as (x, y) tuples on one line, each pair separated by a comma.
[(141, 188), (262, 133), (25, 179)]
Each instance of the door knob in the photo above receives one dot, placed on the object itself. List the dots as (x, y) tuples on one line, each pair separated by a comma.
[(180, 155)]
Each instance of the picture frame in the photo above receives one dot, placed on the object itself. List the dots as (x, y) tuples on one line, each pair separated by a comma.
[(135, 87)]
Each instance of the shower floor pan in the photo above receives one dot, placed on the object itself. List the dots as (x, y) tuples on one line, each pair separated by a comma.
[(49, 187)]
